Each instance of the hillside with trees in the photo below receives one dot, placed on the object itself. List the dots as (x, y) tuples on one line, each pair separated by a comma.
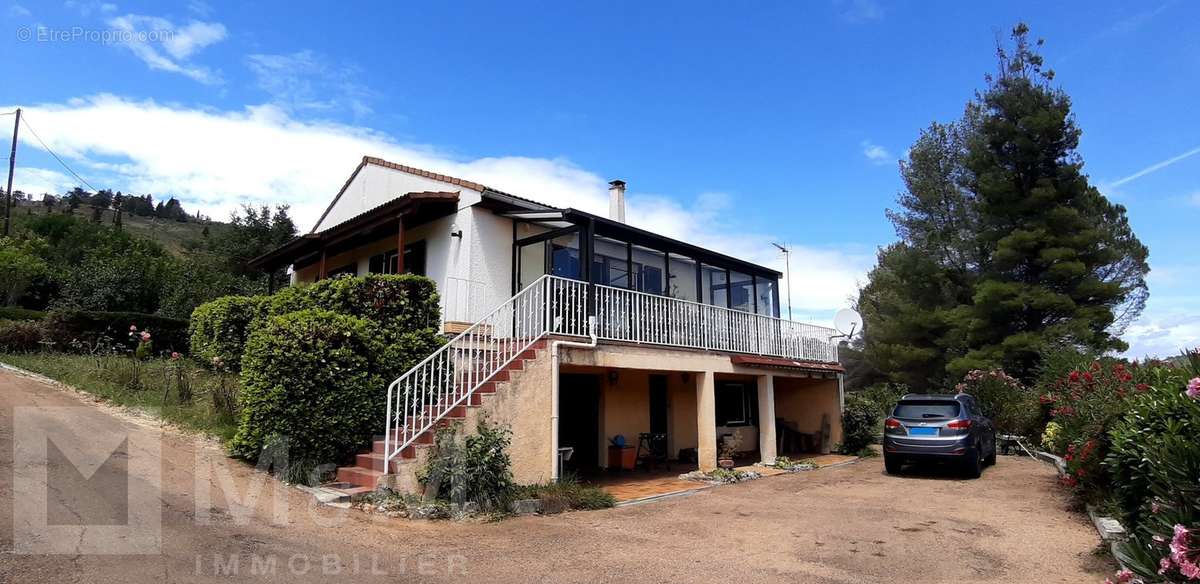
[(108, 251)]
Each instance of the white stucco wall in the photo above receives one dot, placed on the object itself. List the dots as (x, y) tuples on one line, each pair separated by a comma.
[(375, 185)]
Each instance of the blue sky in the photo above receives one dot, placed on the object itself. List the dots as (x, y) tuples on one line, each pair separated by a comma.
[(734, 125)]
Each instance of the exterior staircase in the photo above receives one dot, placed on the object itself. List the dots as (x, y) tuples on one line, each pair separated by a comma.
[(370, 470)]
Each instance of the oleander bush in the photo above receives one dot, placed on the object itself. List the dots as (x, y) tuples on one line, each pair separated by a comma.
[(1011, 406), (310, 378)]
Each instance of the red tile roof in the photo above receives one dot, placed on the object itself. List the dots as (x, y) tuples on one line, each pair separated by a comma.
[(776, 362)]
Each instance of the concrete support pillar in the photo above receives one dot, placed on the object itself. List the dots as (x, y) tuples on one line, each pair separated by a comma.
[(766, 418), (706, 420)]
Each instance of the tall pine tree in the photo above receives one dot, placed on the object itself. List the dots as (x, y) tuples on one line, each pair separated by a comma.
[(1006, 249)]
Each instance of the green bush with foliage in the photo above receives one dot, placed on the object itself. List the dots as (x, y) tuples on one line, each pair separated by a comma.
[(474, 468), (310, 377), (12, 313), (398, 303), (860, 421), (219, 329), (92, 332), (20, 336), (405, 308), (1011, 406), (21, 267), (1154, 461)]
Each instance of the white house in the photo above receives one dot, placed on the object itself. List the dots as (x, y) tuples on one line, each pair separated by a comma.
[(573, 328)]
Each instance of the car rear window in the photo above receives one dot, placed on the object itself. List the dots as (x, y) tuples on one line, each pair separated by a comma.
[(927, 409)]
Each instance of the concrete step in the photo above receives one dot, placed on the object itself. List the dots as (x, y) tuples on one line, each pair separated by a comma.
[(362, 477)]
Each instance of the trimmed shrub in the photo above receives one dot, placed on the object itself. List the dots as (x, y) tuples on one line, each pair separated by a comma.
[(397, 303), (310, 377), (84, 331), (860, 420), (219, 329), (404, 307), (13, 313), (20, 336)]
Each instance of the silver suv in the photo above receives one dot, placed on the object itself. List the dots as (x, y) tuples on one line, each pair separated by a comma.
[(946, 428)]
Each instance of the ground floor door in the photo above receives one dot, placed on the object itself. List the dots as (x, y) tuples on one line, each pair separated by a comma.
[(579, 421)]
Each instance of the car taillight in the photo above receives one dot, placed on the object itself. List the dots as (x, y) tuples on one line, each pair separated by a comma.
[(892, 423), (959, 424)]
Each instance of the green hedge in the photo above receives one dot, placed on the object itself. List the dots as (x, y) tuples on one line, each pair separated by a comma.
[(20, 336), (13, 313), (76, 330), (310, 377), (401, 306), (219, 329)]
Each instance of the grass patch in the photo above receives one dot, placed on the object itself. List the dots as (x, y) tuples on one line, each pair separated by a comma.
[(567, 494), (178, 391)]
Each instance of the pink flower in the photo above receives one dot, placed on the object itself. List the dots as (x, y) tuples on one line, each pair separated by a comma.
[(1193, 388), (1164, 565), (133, 328), (145, 336), (1155, 507), (1124, 576), (175, 356)]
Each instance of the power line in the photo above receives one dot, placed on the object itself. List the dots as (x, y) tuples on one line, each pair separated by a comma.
[(25, 119)]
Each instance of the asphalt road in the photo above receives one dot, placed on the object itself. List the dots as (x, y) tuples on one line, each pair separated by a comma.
[(66, 503)]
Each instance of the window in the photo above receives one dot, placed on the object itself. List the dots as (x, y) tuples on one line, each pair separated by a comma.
[(926, 410), (764, 288), (564, 256), (741, 292), (714, 285), (414, 260), (648, 269), (610, 266), (350, 270), (736, 404), (682, 277)]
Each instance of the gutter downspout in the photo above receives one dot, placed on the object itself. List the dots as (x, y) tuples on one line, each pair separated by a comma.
[(554, 345)]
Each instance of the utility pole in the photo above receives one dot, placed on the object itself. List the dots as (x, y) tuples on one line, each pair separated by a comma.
[(12, 162), (787, 265)]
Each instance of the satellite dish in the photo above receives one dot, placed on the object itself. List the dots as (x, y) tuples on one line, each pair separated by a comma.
[(847, 322)]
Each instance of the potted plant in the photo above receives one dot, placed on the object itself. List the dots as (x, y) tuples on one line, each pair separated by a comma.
[(729, 445)]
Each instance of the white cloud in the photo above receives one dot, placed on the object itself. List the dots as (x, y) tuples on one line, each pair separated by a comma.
[(19, 11), (165, 47), (216, 160), (876, 154), (39, 181), (305, 80), (86, 8), (1194, 200), (859, 10), (1171, 319)]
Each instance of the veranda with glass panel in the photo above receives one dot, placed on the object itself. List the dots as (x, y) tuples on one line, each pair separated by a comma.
[(645, 288)]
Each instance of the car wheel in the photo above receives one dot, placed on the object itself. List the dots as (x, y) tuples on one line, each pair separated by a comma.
[(974, 464), (892, 464), (991, 457)]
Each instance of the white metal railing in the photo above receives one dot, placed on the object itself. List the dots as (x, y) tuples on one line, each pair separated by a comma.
[(638, 317), (446, 379)]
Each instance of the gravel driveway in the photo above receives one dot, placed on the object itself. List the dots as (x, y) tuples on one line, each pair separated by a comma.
[(852, 524)]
